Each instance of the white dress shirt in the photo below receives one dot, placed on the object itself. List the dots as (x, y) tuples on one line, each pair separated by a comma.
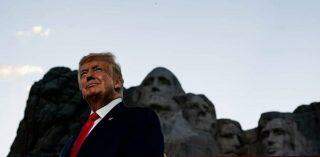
[(104, 111)]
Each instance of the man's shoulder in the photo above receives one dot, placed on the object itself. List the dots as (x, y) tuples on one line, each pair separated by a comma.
[(136, 113), (138, 110)]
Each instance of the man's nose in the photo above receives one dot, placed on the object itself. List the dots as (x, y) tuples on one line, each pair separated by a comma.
[(89, 76)]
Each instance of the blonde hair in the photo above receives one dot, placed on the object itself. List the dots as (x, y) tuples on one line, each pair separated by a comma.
[(107, 57)]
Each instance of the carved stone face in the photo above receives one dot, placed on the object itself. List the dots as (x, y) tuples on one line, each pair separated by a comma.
[(197, 111), (158, 89), (276, 139), (228, 139)]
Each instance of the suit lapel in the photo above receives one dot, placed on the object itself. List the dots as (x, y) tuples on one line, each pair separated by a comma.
[(102, 126), (114, 112)]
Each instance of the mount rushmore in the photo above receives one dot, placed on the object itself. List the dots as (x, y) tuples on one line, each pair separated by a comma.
[(55, 110)]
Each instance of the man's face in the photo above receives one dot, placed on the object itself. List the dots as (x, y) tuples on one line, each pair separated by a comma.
[(228, 139), (275, 138), (96, 79)]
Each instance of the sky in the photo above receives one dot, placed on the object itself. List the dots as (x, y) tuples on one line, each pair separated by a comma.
[(247, 57)]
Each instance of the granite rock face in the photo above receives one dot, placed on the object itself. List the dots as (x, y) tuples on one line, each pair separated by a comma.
[(308, 120), (55, 110)]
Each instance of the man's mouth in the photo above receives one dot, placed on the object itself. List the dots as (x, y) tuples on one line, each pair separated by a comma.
[(91, 85)]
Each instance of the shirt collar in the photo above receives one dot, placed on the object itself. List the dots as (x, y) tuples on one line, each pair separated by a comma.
[(107, 108)]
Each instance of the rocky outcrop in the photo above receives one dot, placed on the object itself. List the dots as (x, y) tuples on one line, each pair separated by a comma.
[(55, 110), (308, 119)]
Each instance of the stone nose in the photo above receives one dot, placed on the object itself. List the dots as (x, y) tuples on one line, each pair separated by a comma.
[(270, 139), (155, 82), (236, 142), (155, 89), (155, 85)]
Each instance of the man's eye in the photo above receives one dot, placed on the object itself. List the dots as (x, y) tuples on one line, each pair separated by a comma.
[(97, 69), (83, 74)]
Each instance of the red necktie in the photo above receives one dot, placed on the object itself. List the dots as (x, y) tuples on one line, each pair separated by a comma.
[(83, 134)]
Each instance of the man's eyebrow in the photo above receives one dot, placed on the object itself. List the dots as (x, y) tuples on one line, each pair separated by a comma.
[(84, 69), (96, 66)]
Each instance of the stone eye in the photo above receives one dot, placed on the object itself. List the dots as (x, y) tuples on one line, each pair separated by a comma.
[(278, 131), (148, 81), (164, 81), (264, 134)]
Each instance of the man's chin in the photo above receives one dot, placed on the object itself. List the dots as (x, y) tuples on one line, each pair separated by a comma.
[(91, 95)]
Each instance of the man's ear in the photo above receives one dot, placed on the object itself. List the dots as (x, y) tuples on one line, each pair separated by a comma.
[(117, 85)]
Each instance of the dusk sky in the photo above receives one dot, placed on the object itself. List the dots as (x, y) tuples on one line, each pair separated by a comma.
[(247, 57)]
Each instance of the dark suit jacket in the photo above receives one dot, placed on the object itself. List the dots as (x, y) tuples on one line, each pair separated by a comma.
[(124, 131)]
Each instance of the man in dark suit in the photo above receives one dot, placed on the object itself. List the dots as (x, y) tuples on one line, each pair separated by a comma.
[(113, 129)]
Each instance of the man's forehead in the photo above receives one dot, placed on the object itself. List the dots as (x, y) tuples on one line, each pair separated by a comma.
[(93, 63)]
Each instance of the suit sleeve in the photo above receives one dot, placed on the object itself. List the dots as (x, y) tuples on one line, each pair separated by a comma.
[(147, 139)]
